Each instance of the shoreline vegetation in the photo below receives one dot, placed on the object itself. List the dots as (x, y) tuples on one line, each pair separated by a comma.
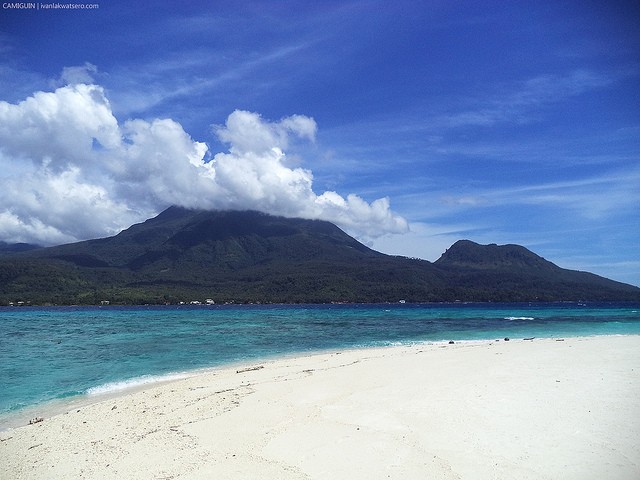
[(232, 303), (526, 408)]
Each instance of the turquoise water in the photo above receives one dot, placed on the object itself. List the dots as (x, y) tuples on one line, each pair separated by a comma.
[(63, 352)]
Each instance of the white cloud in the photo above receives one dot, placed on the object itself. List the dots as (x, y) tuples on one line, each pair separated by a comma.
[(533, 93), (78, 74), (593, 198), (247, 132), (57, 127), (254, 174), (71, 170)]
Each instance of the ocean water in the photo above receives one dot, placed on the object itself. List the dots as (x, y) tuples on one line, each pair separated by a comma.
[(49, 354)]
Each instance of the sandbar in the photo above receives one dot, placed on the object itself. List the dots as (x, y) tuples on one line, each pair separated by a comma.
[(523, 409)]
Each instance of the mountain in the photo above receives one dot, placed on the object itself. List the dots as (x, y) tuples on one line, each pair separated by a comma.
[(468, 254), (231, 256), (511, 272)]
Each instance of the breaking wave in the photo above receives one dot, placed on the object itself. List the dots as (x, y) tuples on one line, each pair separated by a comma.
[(112, 387)]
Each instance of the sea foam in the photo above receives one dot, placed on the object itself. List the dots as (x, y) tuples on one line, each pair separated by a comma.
[(113, 387), (519, 318)]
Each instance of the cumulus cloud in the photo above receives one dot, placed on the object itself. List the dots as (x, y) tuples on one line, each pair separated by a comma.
[(70, 170), (247, 132)]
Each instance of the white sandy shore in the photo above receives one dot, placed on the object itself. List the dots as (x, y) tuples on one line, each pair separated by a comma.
[(542, 409)]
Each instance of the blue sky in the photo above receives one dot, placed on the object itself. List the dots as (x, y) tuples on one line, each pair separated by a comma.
[(409, 124)]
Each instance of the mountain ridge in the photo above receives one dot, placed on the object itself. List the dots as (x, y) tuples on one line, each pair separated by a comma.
[(249, 256)]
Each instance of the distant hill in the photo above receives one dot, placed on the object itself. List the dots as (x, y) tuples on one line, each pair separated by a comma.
[(8, 248), (511, 272), (231, 256)]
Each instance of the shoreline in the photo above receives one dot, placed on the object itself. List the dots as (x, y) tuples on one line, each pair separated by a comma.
[(127, 386), (519, 409), (101, 393)]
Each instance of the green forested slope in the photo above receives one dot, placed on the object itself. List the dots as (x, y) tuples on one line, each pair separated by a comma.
[(184, 255)]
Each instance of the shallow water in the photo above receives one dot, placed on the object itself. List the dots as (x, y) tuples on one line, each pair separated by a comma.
[(65, 352)]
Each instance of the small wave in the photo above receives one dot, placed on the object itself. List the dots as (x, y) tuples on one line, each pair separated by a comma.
[(112, 387), (518, 318)]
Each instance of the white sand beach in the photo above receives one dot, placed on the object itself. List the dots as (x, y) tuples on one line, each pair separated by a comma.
[(541, 409)]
